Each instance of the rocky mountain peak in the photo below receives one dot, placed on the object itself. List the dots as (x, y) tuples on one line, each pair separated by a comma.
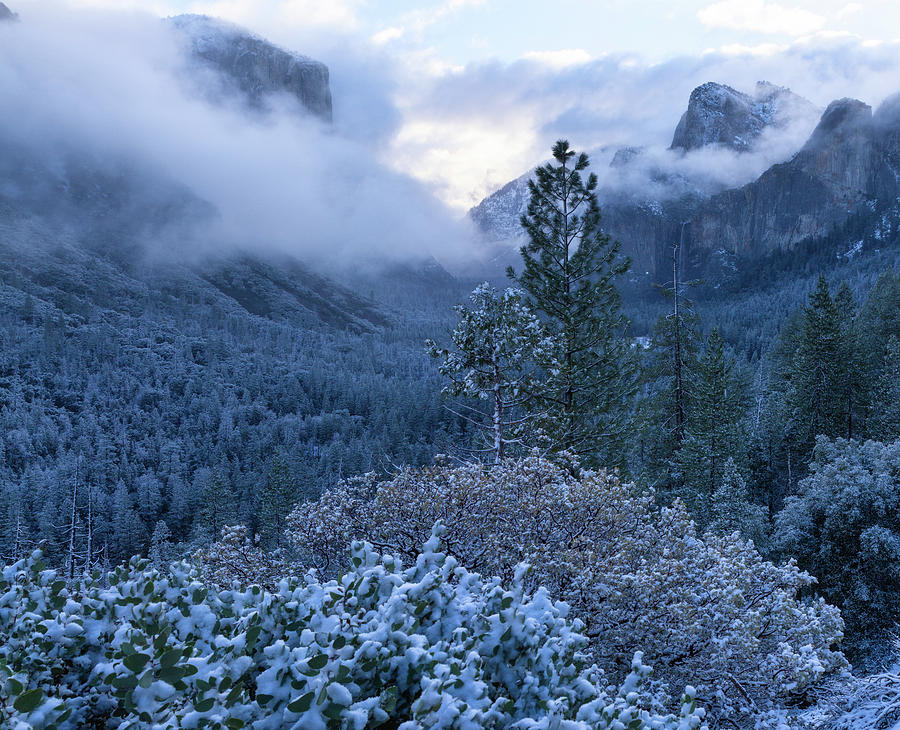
[(256, 67), (6, 13), (841, 147), (625, 155), (840, 117), (720, 115)]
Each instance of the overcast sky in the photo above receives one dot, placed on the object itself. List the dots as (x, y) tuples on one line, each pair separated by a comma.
[(466, 94)]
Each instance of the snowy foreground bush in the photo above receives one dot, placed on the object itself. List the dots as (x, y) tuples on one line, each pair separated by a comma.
[(705, 610), (431, 646)]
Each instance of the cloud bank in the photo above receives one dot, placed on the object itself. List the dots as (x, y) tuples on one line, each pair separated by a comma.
[(119, 87), (490, 122), (415, 142)]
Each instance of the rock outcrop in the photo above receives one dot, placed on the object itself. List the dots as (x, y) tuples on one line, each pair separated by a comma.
[(720, 115), (255, 67), (847, 165)]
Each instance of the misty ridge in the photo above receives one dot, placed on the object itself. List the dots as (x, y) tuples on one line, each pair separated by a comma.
[(122, 98), (128, 97)]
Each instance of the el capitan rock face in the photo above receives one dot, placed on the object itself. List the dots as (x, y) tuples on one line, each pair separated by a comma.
[(256, 67)]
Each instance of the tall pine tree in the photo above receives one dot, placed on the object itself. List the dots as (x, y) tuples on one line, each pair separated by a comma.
[(570, 267), (714, 432), (668, 370)]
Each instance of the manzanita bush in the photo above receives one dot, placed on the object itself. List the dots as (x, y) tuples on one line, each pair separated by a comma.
[(428, 646)]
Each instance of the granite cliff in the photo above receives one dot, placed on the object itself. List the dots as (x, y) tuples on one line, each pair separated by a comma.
[(255, 67)]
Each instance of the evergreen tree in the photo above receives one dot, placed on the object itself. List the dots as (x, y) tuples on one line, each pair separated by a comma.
[(161, 552), (217, 505), (732, 511), (569, 269), (278, 497), (669, 366), (497, 343), (885, 421), (128, 533), (853, 384), (825, 376), (714, 433)]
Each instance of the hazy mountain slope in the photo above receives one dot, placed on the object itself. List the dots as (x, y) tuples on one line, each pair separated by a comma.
[(256, 67)]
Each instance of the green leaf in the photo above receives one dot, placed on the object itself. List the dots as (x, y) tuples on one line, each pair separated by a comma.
[(301, 704), (160, 641), (170, 658), (317, 662), (253, 634), (128, 681), (389, 699), (136, 662), (204, 705), (30, 700), (15, 686), (171, 674), (234, 695)]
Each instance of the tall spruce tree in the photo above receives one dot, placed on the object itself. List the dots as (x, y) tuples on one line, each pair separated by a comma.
[(570, 267), (824, 378), (278, 497)]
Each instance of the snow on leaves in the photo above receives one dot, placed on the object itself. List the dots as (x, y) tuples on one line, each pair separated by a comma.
[(706, 610), (429, 646)]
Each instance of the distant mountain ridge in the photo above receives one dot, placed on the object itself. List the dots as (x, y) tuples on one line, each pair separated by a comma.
[(849, 166)]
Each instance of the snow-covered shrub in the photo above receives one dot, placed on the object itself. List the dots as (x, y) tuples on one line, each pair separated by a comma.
[(707, 609), (429, 646), (234, 557), (844, 528)]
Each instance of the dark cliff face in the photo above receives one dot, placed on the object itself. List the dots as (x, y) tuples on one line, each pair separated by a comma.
[(845, 166), (720, 115), (255, 67)]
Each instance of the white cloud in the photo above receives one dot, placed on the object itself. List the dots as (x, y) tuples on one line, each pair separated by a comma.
[(561, 58), (761, 17), (330, 14), (848, 9), (387, 35), (279, 180)]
